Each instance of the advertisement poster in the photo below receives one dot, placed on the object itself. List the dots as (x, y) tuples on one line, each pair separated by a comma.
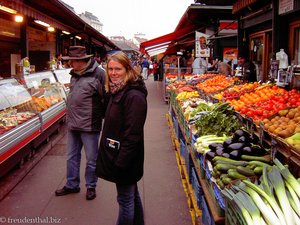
[(230, 54), (201, 49)]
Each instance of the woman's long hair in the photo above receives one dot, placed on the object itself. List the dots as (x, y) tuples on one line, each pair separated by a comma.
[(131, 74)]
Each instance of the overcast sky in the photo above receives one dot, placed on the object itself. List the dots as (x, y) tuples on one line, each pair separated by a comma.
[(154, 18)]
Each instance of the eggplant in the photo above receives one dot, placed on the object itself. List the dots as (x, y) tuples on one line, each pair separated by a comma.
[(247, 150), (226, 155), (236, 154), (239, 133), (257, 150), (244, 139), (254, 139), (214, 146), (219, 151), (236, 146), (227, 142), (210, 155)]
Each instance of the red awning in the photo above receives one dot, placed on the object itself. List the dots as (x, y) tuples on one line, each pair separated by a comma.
[(162, 42)]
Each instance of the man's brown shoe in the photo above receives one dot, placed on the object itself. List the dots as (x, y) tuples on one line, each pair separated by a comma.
[(66, 191), (90, 193)]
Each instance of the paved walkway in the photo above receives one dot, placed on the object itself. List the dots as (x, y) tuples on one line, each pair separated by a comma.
[(33, 201)]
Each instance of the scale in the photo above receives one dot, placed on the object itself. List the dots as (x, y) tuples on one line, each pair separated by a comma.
[(282, 78), (295, 76)]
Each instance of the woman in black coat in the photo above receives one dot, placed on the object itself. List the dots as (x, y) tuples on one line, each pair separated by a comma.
[(121, 152)]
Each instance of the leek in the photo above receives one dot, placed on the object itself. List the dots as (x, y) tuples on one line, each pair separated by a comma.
[(262, 221), (267, 213), (278, 184), (294, 200), (269, 199), (244, 212), (296, 218), (250, 206), (288, 176)]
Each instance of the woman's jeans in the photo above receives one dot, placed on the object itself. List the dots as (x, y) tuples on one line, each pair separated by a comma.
[(77, 140), (130, 205)]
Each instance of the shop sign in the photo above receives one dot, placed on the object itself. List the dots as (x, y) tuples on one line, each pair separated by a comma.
[(230, 54), (285, 6), (201, 48)]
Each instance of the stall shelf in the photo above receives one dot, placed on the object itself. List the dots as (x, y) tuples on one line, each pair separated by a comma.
[(191, 163)]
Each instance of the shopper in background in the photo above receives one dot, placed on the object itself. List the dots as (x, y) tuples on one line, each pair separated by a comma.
[(155, 70), (85, 111), (121, 152), (247, 68), (145, 67)]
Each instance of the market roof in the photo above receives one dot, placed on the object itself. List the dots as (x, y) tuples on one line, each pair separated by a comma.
[(197, 17), (59, 15)]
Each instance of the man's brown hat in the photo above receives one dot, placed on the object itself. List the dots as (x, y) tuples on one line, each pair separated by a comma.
[(76, 52)]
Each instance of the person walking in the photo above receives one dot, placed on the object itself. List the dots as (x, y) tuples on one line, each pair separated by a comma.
[(145, 67), (121, 152), (85, 111)]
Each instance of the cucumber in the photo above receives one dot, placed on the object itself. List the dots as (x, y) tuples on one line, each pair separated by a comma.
[(259, 163), (216, 158), (258, 170), (220, 184), (245, 171), (255, 158), (236, 163), (224, 167), (226, 180), (234, 174)]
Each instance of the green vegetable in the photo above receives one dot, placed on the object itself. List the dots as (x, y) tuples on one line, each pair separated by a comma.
[(258, 163), (235, 163), (258, 170), (224, 159), (245, 171), (288, 177), (278, 184), (268, 214), (248, 203), (255, 158), (293, 199), (269, 199), (224, 167), (234, 174), (226, 180)]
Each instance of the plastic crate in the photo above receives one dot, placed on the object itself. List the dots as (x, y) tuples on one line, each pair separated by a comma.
[(198, 192)]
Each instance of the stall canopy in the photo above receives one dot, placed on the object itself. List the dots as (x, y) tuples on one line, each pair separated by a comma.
[(197, 17), (162, 43)]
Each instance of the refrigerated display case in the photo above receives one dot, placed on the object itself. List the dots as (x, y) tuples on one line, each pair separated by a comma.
[(63, 76), (29, 113), (19, 121), (49, 95)]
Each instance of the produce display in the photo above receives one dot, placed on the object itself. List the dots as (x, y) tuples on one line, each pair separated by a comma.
[(240, 165)]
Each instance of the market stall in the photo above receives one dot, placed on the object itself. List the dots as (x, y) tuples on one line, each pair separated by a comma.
[(236, 141)]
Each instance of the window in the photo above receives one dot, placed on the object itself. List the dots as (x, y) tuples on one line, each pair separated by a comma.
[(294, 44)]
